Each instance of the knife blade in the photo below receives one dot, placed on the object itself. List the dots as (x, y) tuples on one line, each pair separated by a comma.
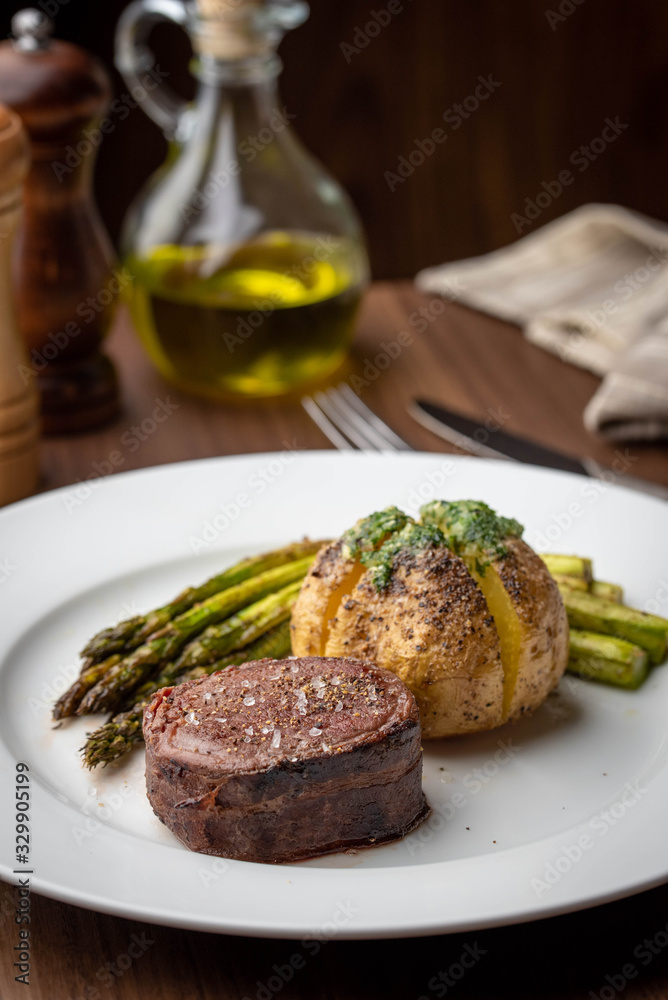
[(491, 442)]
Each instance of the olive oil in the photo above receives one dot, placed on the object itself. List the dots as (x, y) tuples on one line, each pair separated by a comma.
[(258, 320)]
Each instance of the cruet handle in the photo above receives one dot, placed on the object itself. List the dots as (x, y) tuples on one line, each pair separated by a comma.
[(135, 61)]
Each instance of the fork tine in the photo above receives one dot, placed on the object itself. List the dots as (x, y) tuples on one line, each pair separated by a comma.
[(362, 410), (325, 425), (353, 419), (339, 412), (358, 435)]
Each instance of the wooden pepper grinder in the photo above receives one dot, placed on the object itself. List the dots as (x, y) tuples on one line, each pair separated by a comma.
[(19, 426), (66, 284)]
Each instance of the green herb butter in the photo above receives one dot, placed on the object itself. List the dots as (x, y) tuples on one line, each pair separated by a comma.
[(368, 533), (469, 528), (472, 529), (410, 540)]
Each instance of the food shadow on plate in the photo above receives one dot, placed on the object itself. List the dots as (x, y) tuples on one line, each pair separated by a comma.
[(451, 833), (561, 710)]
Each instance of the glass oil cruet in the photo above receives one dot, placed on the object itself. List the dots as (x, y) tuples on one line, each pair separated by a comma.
[(247, 259)]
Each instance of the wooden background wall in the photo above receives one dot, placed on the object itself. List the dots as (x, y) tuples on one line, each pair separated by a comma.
[(560, 76)]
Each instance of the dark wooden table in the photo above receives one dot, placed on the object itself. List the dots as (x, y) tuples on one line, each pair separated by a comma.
[(474, 364)]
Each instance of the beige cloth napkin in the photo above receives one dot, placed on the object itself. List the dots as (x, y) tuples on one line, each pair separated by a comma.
[(592, 287)]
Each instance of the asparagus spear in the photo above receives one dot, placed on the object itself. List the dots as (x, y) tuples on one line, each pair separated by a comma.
[(112, 640), (168, 641), (595, 614), (259, 623), (574, 582), (568, 565), (611, 591), (273, 644), (601, 588), (576, 572), (607, 659), (119, 735), (114, 739), (129, 634), (68, 702), (240, 629)]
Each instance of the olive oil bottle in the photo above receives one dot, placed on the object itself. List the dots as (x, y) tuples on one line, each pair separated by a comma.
[(247, 260), (270, 315)]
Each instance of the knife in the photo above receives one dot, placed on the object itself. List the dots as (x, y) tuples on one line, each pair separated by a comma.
[(471, 436)]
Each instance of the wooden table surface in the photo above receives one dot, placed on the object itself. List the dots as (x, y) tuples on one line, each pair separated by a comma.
[(477, 365)]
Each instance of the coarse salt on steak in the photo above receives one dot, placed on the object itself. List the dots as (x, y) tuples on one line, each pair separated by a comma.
[(280, 760)]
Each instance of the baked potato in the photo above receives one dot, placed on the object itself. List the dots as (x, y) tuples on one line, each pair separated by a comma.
[(458, 606)]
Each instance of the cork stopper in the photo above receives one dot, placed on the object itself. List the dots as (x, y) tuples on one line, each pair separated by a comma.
[(232, 30)]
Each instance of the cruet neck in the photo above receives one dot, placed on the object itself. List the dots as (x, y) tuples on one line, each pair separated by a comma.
[(239, 38), (253, 72), (234, 43)]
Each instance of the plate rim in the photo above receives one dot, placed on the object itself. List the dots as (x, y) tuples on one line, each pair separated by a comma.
[(63, 892)]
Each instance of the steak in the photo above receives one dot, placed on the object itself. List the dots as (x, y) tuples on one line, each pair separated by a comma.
[(281, 760)]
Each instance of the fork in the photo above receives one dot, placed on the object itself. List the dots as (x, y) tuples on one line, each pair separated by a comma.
[(348, 423), (351, 426)]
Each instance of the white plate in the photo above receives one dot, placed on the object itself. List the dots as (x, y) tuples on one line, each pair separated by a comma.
[(562, 811)]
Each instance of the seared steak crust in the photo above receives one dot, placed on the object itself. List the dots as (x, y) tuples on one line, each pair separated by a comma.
[(280, 760)]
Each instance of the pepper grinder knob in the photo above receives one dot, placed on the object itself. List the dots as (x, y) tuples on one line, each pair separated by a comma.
[(64, 275), (19, 428), (31, 29)]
